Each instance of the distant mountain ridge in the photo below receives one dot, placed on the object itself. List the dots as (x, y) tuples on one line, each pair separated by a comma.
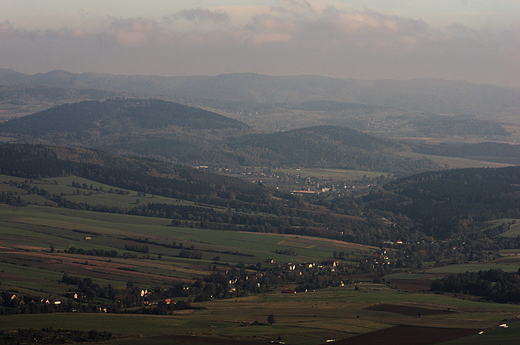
[(23, 93), (430, 95)]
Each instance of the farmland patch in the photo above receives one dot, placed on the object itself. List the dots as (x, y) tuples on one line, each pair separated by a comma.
[(407, 335), (407, 310)]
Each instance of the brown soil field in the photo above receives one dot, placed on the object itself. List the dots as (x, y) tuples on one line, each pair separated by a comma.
[(411, 285), (406, 310), (14, 277), (407, 335), (95, 264), (190, 340)]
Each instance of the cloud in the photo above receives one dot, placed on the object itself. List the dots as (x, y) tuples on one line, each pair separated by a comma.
[(294, 37), (298, 23), (200, 15), (134, 31), (7, 29)]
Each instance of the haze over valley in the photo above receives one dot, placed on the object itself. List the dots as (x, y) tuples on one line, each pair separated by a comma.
[(284, 172)]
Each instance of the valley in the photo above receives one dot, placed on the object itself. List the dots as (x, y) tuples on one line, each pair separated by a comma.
[(246, 209)]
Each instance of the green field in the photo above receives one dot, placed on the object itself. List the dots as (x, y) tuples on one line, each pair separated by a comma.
[(513, 232), (308, 318), (332, 174), (493, 335), (453, 162), (27, 234), (35, 241), (475, 267), (94, 192)]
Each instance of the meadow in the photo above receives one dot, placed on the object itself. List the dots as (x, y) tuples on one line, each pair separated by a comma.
[(454, 162), (35, 242), (309, 318)]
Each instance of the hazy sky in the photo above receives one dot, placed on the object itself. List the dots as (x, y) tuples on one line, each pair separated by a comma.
[(474, 40)]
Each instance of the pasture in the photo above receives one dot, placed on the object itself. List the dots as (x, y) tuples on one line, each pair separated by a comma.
[(454, 162), (307, 318), (35, 241), (332, 174)]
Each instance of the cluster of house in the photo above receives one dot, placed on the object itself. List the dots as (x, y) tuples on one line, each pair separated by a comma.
[(17, 301), (310, 190), (324, 264), (390, 243), (145, 294), (328, 264), (380, 258)]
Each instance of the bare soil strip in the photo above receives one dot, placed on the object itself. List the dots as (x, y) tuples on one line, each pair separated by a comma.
[(407, 335), (406, 310)]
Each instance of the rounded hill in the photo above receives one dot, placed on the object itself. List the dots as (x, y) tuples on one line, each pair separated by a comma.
[(117, 115)]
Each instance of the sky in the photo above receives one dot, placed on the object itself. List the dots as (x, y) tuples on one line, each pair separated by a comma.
[(473, 40)]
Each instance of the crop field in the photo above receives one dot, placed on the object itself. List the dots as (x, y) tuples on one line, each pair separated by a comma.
[(308, 318), (493, 335), (36, 244), (28, 263), (454, 162), (513, 232), (505, 265), (90, 192), (332, 174)]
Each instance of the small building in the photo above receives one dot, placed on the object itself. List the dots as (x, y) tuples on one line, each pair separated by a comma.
[(330, 263), (289, 267), (73, 295)]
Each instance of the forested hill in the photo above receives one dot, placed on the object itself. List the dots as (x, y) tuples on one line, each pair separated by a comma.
[(154, 177), (328, 146), (123, 116), (451, 204), (214, 201), (447, 203), (187, 135)]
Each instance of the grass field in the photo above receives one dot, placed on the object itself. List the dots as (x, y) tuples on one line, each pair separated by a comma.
[(513, 232), (94, 193), (493, 335), (453, 162), (309, 318), (33, 258), (28, 233), (332, 174), (475, 267)]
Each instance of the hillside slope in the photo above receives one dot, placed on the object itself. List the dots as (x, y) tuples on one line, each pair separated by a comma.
[(150, 176), (117, 115), (451, 203), (175, 132), (216, 202), (327, 147), (148, 127)]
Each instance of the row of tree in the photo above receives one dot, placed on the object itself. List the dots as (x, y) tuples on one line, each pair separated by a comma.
[(495, 285)]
